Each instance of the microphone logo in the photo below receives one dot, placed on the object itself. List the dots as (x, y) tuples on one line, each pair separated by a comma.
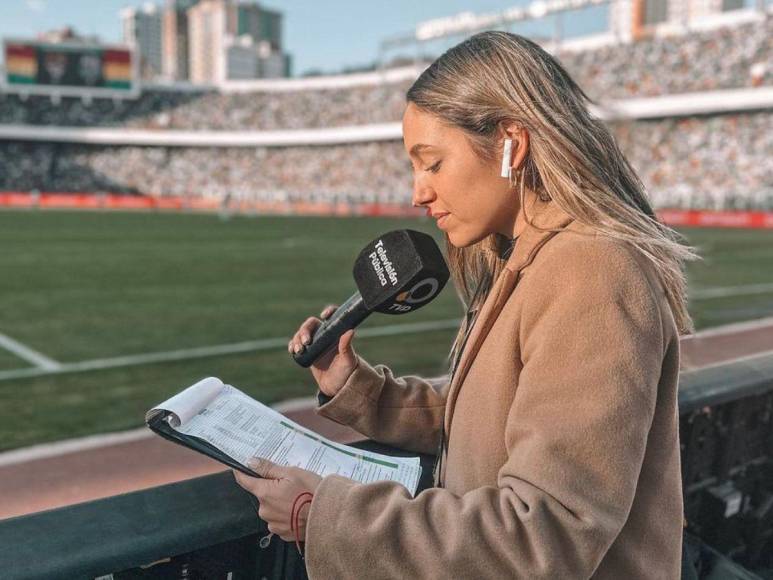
[(382, 265), (421, 292)]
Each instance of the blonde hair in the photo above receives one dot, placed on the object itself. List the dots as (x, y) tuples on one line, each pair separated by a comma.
[(498, 77)]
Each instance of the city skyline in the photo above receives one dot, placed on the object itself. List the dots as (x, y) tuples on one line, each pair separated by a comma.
[(316, 36)]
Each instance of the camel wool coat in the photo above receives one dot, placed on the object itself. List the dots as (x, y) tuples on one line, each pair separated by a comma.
[(562, 432)]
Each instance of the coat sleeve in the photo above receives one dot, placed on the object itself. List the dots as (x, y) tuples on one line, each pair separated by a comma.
[(592, 351), (406, 412)]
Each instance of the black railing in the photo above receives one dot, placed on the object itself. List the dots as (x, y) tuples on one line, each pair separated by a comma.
[(196, 529), (726, 433), (207, 527)]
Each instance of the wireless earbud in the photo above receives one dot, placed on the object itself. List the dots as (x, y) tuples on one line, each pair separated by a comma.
[(507, 152)]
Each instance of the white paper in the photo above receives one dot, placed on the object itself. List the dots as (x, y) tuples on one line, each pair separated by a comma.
[(243, 428), (188, 403)]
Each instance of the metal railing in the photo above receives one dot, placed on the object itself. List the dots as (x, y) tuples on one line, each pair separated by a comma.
[(207, 527), (201, 528)]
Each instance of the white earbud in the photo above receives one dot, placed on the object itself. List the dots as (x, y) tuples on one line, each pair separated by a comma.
[(508, 150)]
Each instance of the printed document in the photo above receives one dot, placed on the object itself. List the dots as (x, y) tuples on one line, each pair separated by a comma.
[(243, 428)]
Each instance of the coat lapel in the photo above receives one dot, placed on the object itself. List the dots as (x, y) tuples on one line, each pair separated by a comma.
[(529, 239)]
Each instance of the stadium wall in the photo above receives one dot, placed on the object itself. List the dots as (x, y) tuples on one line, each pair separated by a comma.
[(87, 201)]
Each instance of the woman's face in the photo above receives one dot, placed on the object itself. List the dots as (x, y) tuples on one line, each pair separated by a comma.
[(467, 196)]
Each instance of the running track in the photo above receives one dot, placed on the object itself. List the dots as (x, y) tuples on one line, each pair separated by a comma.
[(54, 475)]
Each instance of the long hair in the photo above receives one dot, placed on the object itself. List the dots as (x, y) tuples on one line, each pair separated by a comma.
[(498, 77)]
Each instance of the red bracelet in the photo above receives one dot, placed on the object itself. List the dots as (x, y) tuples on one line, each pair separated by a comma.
[(298, 527), (295, 524), (295, 516)]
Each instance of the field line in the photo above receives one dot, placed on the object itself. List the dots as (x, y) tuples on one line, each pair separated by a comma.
[(749, 358), (40, 360), (733, 328), (724, 292), (57, 448), (216, 350)]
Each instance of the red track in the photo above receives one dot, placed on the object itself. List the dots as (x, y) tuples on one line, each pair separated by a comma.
[(79, 476)]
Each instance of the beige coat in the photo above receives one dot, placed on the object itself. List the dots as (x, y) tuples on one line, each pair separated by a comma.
[(562, 426)]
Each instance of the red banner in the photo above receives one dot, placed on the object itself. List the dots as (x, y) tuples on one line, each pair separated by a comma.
[(52, 200), (717, 219)]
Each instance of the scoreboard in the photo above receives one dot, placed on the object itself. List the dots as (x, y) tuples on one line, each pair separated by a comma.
[(69, 69)]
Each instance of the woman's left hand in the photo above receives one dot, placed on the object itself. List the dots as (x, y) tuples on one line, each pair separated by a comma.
[(276, 490)]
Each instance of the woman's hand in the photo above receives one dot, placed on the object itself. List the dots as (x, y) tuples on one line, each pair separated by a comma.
[(333, 368), (276, 492)]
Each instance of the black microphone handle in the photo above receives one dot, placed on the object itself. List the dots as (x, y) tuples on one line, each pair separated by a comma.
[(349, 314)]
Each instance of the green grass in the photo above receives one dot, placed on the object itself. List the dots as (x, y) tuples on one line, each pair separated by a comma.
[(79, 286), (94, 285), (72, 405), (10, 361), (91, 285), (730, 258)]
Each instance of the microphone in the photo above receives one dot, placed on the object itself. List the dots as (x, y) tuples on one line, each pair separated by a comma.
[(398, 272)]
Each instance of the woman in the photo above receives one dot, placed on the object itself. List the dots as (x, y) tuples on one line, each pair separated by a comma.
[(559, 427)]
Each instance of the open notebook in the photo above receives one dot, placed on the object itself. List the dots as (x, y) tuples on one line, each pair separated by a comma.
[(222, 422)]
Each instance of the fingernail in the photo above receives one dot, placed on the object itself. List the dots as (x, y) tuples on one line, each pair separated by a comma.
[(298, 348), (306, 339)]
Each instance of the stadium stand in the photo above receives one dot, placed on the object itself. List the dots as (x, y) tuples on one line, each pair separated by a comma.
[(728, 57), (707, 161), (208, 109), (716, 162)]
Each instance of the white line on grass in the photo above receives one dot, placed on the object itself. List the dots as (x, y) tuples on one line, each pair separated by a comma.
[(208, 351), (46, 450), (46, 366), (734, 328), (751, 289), (750, 359), (40, 360), (57, 448)]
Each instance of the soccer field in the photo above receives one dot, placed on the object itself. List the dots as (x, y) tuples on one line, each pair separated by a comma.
[(86, 287)]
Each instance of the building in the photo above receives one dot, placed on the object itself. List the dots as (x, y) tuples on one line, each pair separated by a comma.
[(231, 39), (142, 28), (260, 24), (176, 39), (246, 59), (67, 34), (628, 20), (633, 19), (206, 38)]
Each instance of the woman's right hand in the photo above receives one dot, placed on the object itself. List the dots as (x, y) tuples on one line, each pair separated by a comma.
[(333, 368)]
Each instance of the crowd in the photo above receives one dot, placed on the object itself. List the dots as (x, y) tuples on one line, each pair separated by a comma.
[(712, 162), (724, 58), (719, 161), (350, 173), (213, 110), (730, 57)]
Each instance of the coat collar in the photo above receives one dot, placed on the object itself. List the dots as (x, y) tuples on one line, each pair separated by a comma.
[(529, 230), (530, 236)]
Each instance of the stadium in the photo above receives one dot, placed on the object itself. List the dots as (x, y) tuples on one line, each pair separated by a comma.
[(177, 231)]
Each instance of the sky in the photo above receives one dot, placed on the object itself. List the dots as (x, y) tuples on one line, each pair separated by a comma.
[(320, 35)]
